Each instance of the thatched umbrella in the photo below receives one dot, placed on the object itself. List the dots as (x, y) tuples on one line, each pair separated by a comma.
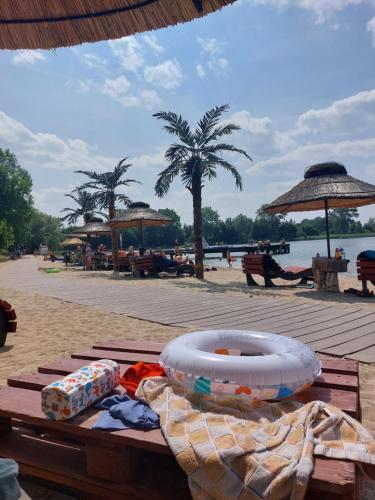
[(39, 24), (325, 186), (140, 215), (70, 242), (96, 227)]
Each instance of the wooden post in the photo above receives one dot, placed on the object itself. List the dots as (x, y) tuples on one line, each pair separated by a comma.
[(327, 228)]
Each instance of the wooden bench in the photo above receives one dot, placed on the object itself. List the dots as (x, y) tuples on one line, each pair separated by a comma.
[(366, 272), (134, 464), (268, 268)]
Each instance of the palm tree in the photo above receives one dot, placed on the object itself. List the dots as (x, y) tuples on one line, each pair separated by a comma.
[(195, 158), (104, 186), (86, 207)]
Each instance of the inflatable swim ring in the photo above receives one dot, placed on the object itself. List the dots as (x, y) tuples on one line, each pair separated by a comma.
[(50, 270), (269, 366)]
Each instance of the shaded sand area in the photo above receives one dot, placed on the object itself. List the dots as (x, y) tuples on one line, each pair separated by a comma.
[(49, 328)]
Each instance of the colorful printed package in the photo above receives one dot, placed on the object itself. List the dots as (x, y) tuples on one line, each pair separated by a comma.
[(68, 396)]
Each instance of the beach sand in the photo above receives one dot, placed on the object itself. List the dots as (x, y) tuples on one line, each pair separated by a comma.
[(50, 328)]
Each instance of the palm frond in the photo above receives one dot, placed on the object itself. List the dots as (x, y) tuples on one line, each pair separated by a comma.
[(221, 131), (208, 123), (232, 169), (177, 126), (165, 179), (218, 148)]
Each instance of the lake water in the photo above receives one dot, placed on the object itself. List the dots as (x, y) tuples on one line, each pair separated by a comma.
[(301, 252)]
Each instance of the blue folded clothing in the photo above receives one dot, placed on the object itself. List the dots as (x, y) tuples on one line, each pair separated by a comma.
[(122, 412), (367, 254), (9, 487)]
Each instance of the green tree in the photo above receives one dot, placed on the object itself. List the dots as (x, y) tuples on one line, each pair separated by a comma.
[(86, 208), (105, 187), (370, 225), (15, 196), (195, 159), (44, 229), (6, 235), (341, 218), (210, 222)]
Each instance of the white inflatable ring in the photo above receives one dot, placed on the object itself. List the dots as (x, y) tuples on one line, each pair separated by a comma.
[(274, 367)]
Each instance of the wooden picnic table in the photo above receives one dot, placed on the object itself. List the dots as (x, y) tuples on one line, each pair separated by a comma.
[(135, 464)]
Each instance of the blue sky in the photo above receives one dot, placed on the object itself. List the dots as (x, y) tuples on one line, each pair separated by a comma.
[(299, 76)]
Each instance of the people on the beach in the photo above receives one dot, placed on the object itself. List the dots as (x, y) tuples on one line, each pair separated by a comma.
[(229, 258), (88, 257)]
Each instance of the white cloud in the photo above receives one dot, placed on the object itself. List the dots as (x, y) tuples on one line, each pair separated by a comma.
[(212, 51), (93, 61), (200, 71), (46, 150), (129, 52), (167, 75), (119, 90), (251, 124), (80, 86), (345, 116), (323, 10), (371, 29), (352, 153), (153, 43), (28, 56)]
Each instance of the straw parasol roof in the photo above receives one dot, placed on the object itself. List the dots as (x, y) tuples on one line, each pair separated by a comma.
[(41, 24), (139, 214), (71, 242), (325, 186), (95, 226), (324, 183)]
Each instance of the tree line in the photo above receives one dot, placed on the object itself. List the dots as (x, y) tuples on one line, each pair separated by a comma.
[(20, 222)]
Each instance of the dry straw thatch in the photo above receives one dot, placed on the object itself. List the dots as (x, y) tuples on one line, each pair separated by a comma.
[(69, 242), (139, 214), (324, 183), (94, 227), (48, 24)]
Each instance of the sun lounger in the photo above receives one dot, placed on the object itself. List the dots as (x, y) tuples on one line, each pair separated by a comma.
[(151, 265), (8, 321), (132, 463), (268, 268), (366, 272)]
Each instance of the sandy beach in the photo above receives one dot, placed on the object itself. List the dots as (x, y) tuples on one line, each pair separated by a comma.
[(51, 328)]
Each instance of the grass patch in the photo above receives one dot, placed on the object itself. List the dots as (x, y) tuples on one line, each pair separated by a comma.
[(3, 255)]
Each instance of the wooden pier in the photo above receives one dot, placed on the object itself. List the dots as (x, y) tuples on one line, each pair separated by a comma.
[(272, 249)]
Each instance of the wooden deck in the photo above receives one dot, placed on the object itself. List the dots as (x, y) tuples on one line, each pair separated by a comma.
[(345, 331)]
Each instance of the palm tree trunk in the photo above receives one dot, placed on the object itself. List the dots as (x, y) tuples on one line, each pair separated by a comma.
[(115, 259), (196, 191)]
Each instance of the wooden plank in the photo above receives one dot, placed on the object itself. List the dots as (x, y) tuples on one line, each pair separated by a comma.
[(343, 366), (64, 366), (343, 337), (352, 346), (332, 477), (34, 380), (345, 400), (365, 356), (24, 405), (144, 346), (337, 381), (259, 312), (248, 316), (200, 311), (64, 464), (329, 320), (120, 357)]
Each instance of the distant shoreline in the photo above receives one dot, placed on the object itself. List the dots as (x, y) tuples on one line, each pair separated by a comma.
[(336, 236)]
